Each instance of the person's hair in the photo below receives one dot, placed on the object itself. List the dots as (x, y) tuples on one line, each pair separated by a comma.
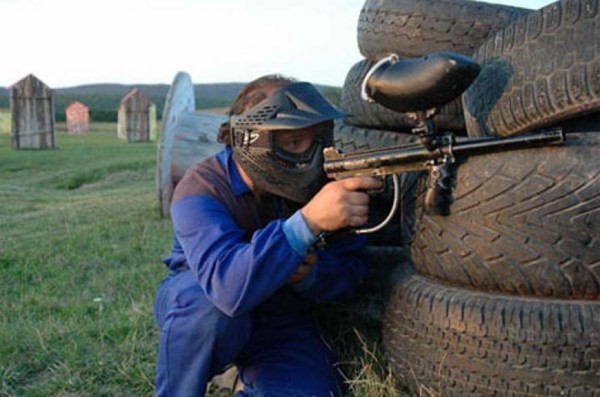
[(250, 95)]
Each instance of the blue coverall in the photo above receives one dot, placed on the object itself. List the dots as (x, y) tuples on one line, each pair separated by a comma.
[(227, 300)]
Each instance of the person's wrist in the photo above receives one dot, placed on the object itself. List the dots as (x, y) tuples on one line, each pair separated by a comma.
[(315, 230)]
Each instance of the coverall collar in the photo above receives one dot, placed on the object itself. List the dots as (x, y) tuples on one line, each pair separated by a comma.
[(238, 185)]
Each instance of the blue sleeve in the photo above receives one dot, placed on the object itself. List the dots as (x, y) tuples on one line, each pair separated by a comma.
[(237, 272), (340, 270), (298, 233)]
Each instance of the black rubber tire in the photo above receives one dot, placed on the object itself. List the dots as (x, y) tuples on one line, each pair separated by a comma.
[(372, 115), (412, 28), (454, 342), (350, 138), (396, 233), (537, 71), (523, 222)]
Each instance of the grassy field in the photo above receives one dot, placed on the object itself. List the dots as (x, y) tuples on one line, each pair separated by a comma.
[(4, 121), (81, 243)]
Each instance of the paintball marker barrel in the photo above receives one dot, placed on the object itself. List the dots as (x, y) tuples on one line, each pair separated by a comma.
[(414, 157)]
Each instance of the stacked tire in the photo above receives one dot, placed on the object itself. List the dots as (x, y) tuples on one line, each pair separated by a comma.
[(501, 297), (409, 28)]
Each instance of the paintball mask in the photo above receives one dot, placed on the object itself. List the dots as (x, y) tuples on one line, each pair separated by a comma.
[(293, 175)]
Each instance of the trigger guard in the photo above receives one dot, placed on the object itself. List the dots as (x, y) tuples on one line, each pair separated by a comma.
[(389, 217)]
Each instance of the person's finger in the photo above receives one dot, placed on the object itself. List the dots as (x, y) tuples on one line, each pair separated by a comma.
[(310, 260), (358, 220), (358, 198), (360, 210), (361, 183)]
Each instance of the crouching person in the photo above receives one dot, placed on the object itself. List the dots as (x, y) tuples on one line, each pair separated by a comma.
[(245, 271)]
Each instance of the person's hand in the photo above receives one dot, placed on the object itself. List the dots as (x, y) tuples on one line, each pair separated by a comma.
[(304, 269), (340, 204)]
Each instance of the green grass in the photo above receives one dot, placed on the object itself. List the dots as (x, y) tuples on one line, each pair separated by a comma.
[(81, 243), (4, 121)]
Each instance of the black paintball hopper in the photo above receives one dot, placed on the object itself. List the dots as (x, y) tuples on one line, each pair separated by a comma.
[(419, 84)]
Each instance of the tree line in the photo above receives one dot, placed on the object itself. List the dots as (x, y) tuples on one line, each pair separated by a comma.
[(103, 99)]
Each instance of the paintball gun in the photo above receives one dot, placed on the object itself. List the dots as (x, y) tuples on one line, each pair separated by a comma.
[(418, 86)]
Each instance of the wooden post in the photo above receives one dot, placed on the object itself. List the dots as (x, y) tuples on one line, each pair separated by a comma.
[(77, 115), (134, 117), (32, 114)]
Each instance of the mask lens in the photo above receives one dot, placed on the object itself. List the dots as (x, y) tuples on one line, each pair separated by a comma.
[(297, 148)]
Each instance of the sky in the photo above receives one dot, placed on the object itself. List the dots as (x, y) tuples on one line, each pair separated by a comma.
[(68, 43)]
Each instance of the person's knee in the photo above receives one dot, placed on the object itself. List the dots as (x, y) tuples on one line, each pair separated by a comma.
[(202, 317), (231, 334), (204, 320), (194, 330)]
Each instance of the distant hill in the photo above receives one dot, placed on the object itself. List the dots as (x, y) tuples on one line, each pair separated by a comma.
[(222, 93), (103, 99)]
